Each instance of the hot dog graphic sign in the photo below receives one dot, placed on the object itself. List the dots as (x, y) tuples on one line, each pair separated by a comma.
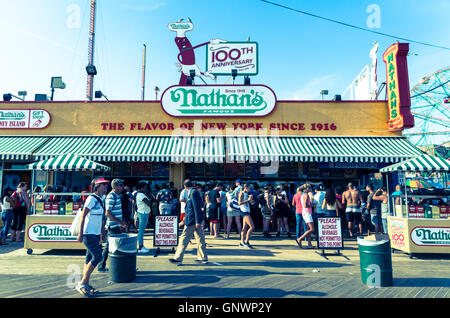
[(222, 57)]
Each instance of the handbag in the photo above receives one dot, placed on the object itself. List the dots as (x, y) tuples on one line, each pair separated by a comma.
[(76, 223)]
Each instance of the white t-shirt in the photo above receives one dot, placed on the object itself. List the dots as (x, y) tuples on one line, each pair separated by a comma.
[(141, 206), (183, 196), (94, 219)]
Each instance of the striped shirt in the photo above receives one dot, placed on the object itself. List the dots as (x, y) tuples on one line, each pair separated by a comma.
[(114, 205)]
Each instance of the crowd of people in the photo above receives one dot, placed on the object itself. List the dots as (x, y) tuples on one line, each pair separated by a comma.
[(111, 207), (227, 208)]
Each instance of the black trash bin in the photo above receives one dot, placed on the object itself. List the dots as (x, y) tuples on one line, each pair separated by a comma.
[(122, 257)]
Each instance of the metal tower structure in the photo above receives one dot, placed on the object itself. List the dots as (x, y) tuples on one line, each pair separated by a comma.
[(91, 68), (430, 105)]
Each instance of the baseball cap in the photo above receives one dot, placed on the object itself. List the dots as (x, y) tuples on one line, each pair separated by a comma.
[(238, 181), (101, 180), (117, 182)]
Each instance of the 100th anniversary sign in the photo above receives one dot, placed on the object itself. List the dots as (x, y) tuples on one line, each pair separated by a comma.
[(218, 101)]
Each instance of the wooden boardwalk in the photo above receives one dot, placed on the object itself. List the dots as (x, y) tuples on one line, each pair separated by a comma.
[(276, 268)]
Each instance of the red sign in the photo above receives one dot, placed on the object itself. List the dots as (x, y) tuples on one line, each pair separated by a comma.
[(399, 99)]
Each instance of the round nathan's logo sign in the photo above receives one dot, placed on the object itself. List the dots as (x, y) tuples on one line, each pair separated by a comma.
[(218, 101)]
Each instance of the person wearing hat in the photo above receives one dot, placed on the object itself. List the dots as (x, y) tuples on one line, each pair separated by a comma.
[(92, 233), (7, 214), (114, 222)]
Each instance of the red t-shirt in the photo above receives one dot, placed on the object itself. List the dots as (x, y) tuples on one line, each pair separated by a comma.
[(297, 201)]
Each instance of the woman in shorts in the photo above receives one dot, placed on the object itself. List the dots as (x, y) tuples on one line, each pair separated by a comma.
[(92, 233), (244, 203), (233, 211), (307, 217)]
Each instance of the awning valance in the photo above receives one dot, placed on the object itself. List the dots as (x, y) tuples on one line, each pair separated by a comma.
[(168, 148), (320, 149), (420, 163), (19, 148), (67, 162)]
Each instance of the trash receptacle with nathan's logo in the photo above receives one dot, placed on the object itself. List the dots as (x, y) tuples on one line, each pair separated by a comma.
[(376, 262), (122, 257)]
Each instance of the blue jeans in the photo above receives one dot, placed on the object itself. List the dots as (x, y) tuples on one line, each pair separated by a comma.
[(299, 224), (143, 219), (7, 218), (385, 225)]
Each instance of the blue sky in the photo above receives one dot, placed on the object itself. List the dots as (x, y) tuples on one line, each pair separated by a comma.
[(299, 55)]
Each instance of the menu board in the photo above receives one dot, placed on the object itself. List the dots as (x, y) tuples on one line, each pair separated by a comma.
[(235, 170), (141, 169), (288, 170), (215, 170), (121, 169), (253, 170), (160, 169), (195, 170), (329, 233), (311, 169)]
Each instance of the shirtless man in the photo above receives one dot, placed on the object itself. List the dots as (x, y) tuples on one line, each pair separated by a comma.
[(352, 197)]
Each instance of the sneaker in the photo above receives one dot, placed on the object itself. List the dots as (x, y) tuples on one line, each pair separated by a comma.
[(103, 270), (248, 245), (143, 250), (199, 261), (241, 244), (174, 261)]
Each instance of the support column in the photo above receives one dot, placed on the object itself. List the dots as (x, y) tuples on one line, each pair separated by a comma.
[(177, 174)]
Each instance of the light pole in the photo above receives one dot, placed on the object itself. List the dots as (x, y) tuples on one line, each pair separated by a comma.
[(56, 82), (156, 92)]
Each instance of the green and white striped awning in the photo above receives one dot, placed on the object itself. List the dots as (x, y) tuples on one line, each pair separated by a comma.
[(320, 149), (420, 163), (148, 148), (19, 148), (68, 162)]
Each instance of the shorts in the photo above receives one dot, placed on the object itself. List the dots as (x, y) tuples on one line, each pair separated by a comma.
[(244, 214), (93, 249), (233, 212), (376, 220), (266, 215), (213, 214), (354, 217), (307, 217), (353, 209)]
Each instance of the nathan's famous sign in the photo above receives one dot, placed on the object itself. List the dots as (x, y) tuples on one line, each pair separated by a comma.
[(218, 100), (399, 99)]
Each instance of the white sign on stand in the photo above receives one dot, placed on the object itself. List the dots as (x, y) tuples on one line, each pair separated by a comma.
[(329, 234), (166, 231)]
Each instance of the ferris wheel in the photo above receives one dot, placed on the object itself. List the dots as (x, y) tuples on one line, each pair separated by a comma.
[(430, 105)]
